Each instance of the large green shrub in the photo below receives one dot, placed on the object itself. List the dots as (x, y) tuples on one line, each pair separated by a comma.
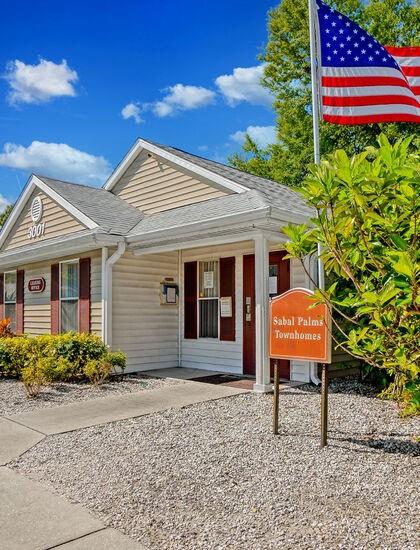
[(368, 224), (41, 360)]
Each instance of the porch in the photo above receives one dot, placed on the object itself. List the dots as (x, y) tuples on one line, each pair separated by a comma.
[(166, 336)]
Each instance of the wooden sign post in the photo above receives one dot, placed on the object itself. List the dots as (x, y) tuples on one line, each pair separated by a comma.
[(300, 330)]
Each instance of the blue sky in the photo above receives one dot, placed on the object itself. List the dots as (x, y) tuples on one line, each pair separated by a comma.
[(177, 67)]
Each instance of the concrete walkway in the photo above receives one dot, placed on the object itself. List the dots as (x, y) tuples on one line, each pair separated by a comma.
[(75, 416), (32, 518)]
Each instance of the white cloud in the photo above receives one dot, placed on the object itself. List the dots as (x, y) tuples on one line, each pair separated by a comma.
[(3, 203), (262, 135), (182, 98), (56, 160), (132, 110), (244, 84), (39, 83)]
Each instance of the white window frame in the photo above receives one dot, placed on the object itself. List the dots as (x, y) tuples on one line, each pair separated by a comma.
[(4, 294), (207, 338), (68, 298)]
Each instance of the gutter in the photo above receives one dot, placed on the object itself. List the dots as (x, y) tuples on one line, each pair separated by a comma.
[(107, 265)]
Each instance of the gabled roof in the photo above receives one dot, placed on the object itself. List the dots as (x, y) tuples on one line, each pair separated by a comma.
[(276, 193), (101, 211), (109, 212)]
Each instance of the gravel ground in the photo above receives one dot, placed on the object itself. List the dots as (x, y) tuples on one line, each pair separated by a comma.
[(13, 399), (212, 476)]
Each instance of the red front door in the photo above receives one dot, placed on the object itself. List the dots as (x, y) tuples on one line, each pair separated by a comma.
[(279, 272), (249, 315)]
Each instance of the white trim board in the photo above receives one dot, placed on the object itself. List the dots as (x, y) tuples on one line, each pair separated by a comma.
[(33, 183), (141, 144)]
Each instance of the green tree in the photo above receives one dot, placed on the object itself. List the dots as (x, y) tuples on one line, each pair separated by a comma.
[(5, 214), (368, 221), (287, 76)]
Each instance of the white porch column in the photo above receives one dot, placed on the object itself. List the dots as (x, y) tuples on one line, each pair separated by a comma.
[(262, 365)]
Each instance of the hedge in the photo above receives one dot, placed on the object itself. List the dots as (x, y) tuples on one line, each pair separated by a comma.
[(66, 357)]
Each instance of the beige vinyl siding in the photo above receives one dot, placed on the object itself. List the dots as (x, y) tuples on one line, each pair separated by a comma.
[(57, 222), (143, 328), (37, 307), (152, 186)]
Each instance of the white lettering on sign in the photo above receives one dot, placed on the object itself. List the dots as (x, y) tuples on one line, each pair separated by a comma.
[(297, 321), (36, 231)]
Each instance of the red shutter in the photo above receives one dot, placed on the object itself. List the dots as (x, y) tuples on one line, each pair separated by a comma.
[(1, 296), (20, 297), (227, 289), (55, 299), (190, 300), (84, 295)]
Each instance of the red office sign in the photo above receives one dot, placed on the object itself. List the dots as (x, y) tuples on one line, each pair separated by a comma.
[(36, 285)]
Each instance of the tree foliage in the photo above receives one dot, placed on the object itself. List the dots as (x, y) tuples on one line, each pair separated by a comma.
[(368, 221), (287, 76), (5, 214)]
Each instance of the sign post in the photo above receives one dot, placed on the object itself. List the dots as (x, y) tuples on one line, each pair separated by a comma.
[(300, 330)]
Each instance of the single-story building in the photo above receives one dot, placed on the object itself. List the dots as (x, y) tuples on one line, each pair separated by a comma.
[(173, 261)]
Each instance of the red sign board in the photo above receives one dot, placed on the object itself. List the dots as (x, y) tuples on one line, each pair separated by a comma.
[(297, 329), (36, 285)]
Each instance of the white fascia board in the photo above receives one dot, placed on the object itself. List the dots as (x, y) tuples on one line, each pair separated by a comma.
[(259, 214), (223, 182), (246, 235), (286, 216), (46, 250), (16, 211), (32, 183)]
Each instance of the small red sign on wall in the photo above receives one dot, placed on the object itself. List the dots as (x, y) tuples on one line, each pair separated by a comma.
[(36, 285)]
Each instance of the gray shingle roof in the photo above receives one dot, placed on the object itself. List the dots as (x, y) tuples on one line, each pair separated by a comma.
[(277, 194), (111, 213), (201, 212), (117, 217)]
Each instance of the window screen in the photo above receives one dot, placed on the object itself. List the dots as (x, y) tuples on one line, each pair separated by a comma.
[(10, 298), (209, 299), (69, 296)]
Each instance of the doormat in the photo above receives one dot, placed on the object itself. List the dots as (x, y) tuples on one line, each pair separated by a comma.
[(227, 380)]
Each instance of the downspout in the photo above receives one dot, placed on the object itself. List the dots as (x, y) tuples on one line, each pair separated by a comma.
[(179, 309), (104, 293), (108, 264)]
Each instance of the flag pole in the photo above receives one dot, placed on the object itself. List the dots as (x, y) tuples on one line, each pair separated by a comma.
[(315, 112), (314, 44)]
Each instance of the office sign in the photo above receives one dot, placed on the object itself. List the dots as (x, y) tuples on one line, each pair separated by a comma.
[(36, 285), (297, 329)]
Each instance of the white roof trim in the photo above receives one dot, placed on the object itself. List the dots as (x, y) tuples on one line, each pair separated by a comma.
[(34, 182), (140, 144)]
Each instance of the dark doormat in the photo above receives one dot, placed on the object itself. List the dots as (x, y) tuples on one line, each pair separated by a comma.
[(227, 380)]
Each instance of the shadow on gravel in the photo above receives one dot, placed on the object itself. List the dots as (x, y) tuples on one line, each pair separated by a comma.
[(390, 445)]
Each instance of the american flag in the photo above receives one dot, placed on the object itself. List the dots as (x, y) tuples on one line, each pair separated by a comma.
[(361, 80)]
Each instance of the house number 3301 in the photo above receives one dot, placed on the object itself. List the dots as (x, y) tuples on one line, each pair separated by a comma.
[(36, 230)]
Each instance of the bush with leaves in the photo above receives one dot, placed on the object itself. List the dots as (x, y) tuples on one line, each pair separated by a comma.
[(368, 209), (45, 359)]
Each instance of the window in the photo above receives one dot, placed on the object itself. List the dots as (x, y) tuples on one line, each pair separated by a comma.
[(10, 298), (208, 299), (69, 296)]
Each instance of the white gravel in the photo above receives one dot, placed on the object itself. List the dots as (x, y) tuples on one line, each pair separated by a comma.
[(13, 399), (213, 477)]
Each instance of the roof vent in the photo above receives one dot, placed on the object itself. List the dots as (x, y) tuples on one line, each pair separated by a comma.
[(36, 209)]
